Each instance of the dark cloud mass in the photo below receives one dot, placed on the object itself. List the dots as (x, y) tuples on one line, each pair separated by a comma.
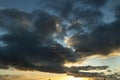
[(103, 39), (30, 47), (87, 74), (97, 3), (74, 9), (31, 41), (89, 68)]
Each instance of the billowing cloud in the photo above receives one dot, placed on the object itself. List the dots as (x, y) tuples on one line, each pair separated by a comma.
[(31, 46), (103, 39), (71, 11), (34, 41)]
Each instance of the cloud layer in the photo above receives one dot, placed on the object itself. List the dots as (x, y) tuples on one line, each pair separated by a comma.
[(31, 41)]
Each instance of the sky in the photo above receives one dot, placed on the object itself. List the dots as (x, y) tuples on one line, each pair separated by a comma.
[(60, 39)]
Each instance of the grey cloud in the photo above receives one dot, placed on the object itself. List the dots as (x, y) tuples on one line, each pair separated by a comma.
[(89, 68), (103, 39), (87, 74), (97, 3), (96, 75), (31, 46), (73, 10), (77, 71)]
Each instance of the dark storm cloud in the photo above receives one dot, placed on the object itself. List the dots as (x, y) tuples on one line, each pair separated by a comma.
[(115, 75), (75, 15), (103, 39), (72, 10), (52, 69), (89, 68), (64, 7), (29, 41), (87, 74), (96, 75), (45, 23), (73, 69), (3, 66), (83, 16), (117, 10), (76, 71), (96, 3), (84, 71)]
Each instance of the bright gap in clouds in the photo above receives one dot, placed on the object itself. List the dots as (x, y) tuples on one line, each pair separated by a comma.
[(75, 78), (65, 42)]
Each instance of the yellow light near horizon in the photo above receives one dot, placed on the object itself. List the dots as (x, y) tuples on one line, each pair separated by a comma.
[(73, 78)]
